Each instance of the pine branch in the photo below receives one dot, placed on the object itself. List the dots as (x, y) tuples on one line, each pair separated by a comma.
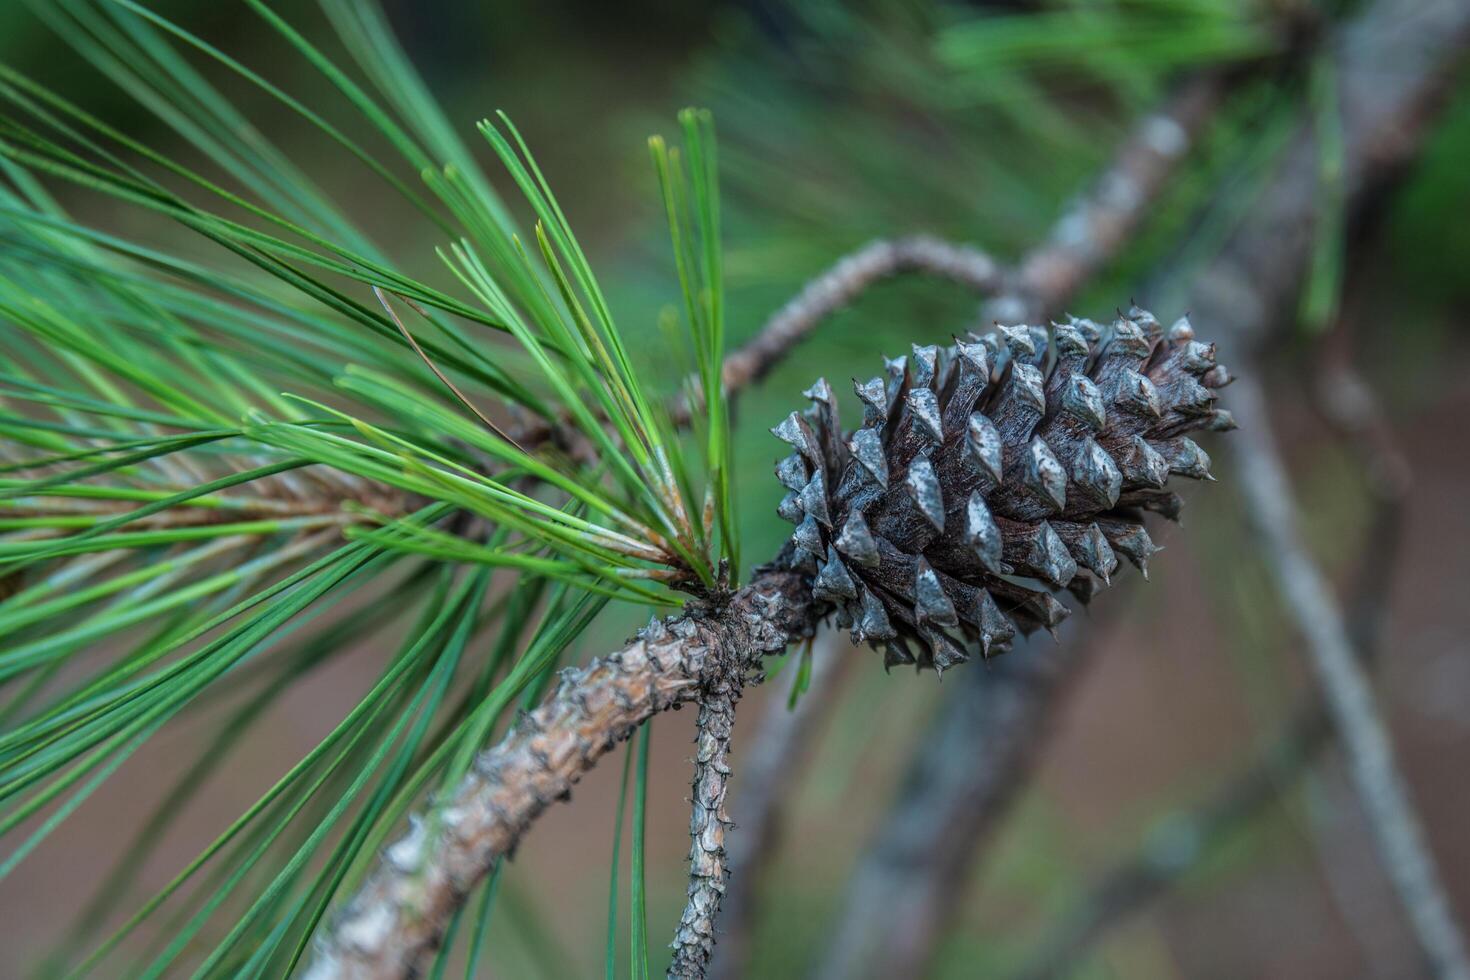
[(1348, 693), (1396, 57), (1180, 842), (694, 939), (774, 764), (845, 281), (398, 916)]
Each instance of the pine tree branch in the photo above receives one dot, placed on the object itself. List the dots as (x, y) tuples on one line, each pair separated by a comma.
[(1394, 61), (694, 939), (774, 763), (1096, 226), (1347, 691), (843, 282), (1179, 843), (398, 916)]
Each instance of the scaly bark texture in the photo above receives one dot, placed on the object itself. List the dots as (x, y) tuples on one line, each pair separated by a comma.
[(399, 915), (774, 765), (694, 940)]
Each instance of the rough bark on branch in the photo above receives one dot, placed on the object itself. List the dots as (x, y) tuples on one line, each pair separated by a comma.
[(398, 916), (694, 939), (774, 764)]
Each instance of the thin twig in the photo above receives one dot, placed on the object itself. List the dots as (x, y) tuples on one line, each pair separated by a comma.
[(399, 914), (773, 765), (828, 292), (1347, 690), (840, 284), (1180, 842)]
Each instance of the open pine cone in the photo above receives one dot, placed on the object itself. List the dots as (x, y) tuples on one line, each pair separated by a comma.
[(991, 474)]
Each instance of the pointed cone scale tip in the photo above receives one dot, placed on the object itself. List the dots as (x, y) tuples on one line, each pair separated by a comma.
[(982, 533), (867, 448), (985, 445), (1052, 558), (1128, 339), (1182, 330), (1051, 612), (1069, 341), (833, 581), (1045, 476), (1222, 421), (874, 397), (1139, 394), (1082, 400), (1096, 555), (789, 509), (925, 364), (820, 392), (856, 541), (1193, 398), (931, 604), (1029, 388), (1133, 542), (974, 356), (875, 622), (895, 654), (1018, 340), (1147, 464), (996, 629), (797, 433), (1096, 471), (923, 486), (945, 652), (1198, 358), (808, 536), (792, 472), (1191, 461), (1146, 321), (813, 499), (924, 407)]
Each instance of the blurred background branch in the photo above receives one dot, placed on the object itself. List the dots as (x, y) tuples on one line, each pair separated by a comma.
[(1347, 691), (1394, 60), (1179, 842)]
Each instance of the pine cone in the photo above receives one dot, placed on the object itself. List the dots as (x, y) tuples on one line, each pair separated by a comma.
[(991, 474)]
